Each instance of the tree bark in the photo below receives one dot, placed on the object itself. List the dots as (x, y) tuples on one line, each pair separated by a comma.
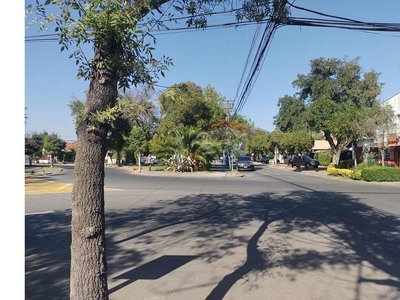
[(335, 158), (88, 249), (337, 148)]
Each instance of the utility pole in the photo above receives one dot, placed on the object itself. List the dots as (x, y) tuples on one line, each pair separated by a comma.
[(228, 106)]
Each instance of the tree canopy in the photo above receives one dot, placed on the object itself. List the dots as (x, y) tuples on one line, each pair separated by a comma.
[(333, 98)]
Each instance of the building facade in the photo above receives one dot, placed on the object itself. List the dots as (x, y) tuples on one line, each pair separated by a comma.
[(393, 139)]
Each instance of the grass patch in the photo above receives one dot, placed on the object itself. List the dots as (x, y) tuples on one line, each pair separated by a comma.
[(53, 170), (146, 168)]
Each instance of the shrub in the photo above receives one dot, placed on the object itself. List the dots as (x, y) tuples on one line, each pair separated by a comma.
[(331, 170), (347, 173), (346, 164), (379, 173), (324, 158), (364, 165)]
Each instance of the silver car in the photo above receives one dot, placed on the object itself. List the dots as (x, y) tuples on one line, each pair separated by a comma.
[(245, 163)]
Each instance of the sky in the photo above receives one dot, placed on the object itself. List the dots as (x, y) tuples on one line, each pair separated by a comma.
[(217, 58)]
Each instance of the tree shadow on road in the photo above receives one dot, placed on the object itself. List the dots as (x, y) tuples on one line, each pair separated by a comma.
[(216, 224)]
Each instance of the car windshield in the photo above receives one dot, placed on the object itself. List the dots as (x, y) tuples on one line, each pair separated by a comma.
[(244, 158)]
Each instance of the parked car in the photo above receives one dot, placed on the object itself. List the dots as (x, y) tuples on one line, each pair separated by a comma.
[(264, 160), (244, 163), (303, 160)]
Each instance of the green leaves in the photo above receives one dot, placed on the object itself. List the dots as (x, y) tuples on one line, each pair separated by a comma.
[(53, 144), (107, 116)]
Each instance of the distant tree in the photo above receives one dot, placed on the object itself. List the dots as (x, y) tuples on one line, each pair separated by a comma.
[(31, 147), (184, 104), (53, 145), (216, 103), (77, 108), (275, 143), (135, 112), (292, 115), (191, 142), (187, 105), (383, 125), (34, 144), (296, 142), (258, 142), (335, 93)]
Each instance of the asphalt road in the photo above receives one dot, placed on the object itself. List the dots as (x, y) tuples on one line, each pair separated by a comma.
[(272, 234)]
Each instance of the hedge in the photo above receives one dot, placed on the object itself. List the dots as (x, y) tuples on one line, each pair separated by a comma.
[(371, 173), (379, 173), (324, 158), (347, 173)]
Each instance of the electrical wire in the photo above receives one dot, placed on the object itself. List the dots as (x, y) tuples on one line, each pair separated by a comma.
[(258, 60), (247, 61), (263, 47), (378, 27)]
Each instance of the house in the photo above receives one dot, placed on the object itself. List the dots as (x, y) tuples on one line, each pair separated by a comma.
[(69, 145), (391, 140), (321, 146)]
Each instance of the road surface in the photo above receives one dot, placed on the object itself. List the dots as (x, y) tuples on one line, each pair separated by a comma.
[(272, 234)]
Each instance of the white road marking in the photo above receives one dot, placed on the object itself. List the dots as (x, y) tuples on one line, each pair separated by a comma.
[(64, 186), (41, 213)]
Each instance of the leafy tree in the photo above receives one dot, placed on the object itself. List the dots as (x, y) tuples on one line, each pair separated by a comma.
[(215, 102), (161, 144), (142, 114), (53, 145), (138, 107), (232, 134), (275, 143), (184, 104), (296, 142), (258, 142), (69, 156), (188, 105), (34, 144), (31, 147), (77, 108), (119, 31), (192, 142), (292, 114), (136, 113), (381, 124), (336, 95)]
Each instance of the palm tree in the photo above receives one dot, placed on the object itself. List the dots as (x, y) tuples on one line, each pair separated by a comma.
[(191, 143)]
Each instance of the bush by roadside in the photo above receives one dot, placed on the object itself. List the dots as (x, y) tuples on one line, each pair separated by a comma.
[(324, 158), (367, 173), (379, 173), (347, 173)]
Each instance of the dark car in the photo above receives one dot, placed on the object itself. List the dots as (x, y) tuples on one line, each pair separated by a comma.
[(244, 163), (264, 160), (303, 160)]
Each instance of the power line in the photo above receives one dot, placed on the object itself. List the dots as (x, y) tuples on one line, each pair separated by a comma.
[(258, 60), (247, 60), (310, 22), (271, 26)]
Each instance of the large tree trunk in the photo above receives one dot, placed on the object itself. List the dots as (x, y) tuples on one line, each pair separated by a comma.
[(337, 148), (336, 157), (88, 249)]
